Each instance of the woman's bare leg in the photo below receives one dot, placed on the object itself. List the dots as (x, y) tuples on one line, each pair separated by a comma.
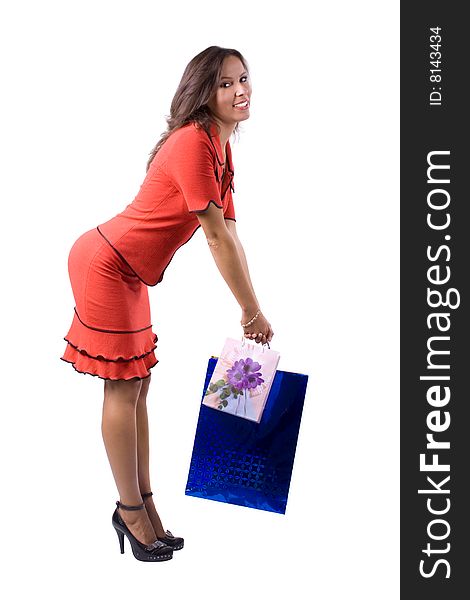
[(119, 430), (143, 457)]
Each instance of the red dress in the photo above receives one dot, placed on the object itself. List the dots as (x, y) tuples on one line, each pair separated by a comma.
[(110, 266)]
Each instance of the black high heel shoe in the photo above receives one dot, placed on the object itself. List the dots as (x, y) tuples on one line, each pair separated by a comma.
[(176, 543), (156, 551)]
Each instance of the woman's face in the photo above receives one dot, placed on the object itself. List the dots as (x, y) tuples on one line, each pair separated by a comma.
[(234, 87)]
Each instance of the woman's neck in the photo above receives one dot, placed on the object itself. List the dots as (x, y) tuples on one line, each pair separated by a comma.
[(226, 131)]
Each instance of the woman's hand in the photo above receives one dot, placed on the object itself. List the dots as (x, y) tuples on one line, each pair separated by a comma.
[(260, 330)]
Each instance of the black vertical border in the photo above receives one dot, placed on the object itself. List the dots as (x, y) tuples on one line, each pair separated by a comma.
[(426, 128)]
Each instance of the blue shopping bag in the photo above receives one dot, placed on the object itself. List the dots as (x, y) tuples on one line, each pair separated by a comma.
[(238, 461)]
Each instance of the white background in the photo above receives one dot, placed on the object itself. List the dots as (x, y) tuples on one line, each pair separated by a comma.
[(86, 88)]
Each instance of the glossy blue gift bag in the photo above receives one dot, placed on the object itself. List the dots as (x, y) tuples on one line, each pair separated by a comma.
[(238, 461)]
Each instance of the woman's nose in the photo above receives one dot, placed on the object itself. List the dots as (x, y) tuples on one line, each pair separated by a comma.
[(242, 89)]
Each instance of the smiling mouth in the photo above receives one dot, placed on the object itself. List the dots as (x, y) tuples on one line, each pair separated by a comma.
[(242, 105)]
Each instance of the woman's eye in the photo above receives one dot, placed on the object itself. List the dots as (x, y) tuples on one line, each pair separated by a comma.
[(245, 77)]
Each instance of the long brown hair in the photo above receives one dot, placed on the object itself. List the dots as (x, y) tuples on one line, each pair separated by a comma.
[(198, 84)]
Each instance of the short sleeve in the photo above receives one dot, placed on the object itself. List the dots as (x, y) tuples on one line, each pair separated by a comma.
[(191, 167), (229, 212)]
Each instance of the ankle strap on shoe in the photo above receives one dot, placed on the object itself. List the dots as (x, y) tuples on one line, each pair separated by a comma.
[(128, 507), (147, 494)]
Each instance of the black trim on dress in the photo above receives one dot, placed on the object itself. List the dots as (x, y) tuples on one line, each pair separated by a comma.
[(189, 238), (219, 160), (101, 357), (228, 161), (163, 271), (229, 185), (110, 378), (109, 330), (123, 259), (207, 206)]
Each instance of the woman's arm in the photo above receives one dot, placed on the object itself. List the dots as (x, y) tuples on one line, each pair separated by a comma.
[(233, 230), (230, 261)]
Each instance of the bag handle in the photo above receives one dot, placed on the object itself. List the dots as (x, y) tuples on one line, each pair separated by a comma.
[(244, 339)]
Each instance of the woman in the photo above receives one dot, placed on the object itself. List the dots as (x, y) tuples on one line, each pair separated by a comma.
[(189, 184)]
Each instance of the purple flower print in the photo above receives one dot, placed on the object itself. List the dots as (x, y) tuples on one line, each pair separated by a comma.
[(245, 374)]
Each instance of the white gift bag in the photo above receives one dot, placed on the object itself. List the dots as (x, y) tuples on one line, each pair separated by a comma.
[(242, 379)]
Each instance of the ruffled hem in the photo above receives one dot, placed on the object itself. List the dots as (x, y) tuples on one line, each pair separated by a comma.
[(113, 370), (110, 345), (110, 354)]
